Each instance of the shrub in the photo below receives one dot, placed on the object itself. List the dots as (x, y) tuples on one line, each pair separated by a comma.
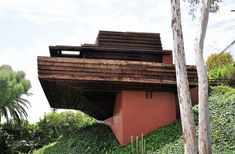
[(54, 125), (3, 144), (218, 60), (222, 109), (231, 76), (221, 69), (221, 72), (23, 137), (16, 137)]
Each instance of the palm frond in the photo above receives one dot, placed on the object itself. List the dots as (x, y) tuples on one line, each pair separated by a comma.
[(15, 109)]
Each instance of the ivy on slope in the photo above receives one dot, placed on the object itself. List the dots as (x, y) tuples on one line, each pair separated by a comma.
[(222, 114), (98, 138)]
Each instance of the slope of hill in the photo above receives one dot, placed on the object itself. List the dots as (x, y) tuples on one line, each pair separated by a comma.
[(98, 138)]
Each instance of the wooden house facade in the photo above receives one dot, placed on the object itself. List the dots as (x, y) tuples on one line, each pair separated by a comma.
[(125, 79)]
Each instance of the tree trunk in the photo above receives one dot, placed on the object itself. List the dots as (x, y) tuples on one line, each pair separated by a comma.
[(204, 141), (187, 120)]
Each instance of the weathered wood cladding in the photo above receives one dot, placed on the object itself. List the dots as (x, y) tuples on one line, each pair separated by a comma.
[(90, 78), (118, 46), (91, 85), (117, 56), (62, 95), (109, 53), (129, 40), (123, 56), (110, 70)]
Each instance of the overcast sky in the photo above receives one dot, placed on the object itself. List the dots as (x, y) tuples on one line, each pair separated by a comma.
[(28, 27)]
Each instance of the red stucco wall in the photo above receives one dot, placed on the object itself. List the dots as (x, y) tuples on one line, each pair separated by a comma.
[(134, 114), (116, 122), (167, 58)]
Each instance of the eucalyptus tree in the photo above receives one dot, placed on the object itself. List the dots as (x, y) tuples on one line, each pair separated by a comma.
[(188, 126), (204, 139), (185, 103)]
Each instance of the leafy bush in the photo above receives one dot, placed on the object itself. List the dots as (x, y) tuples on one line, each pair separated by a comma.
[(92, 139), (221, 72), (231, 76), (16, 137), (222, 113), (223, 90), (54, 125), (3, 144), (24, 137), (218, 60), (221, 69)]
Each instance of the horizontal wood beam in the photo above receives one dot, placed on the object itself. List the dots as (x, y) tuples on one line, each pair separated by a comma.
[(110, 70)]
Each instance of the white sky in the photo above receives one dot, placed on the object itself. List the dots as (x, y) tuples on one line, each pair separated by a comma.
[(28, 27)]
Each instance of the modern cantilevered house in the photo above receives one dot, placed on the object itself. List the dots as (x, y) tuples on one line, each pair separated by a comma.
[(125, 79)]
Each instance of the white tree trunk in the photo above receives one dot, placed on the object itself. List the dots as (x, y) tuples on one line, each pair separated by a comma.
[(187, 120), (204, 141)]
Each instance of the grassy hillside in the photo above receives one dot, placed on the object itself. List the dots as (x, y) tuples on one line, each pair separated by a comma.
[(98, 138)]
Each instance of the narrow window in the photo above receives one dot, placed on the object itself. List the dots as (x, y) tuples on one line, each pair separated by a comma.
[(148, 94), (73, 53)]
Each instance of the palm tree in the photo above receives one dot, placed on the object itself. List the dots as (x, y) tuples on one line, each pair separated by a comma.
[(15, 109), (13, 86)]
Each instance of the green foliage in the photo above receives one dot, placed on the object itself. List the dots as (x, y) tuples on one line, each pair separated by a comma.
[(91, 139), (218, 60), (222, 72), (23, 137), (99, 139), (41, 151), (223, 90), (16, 137), (231, 76), (13, 86), (221, 69), (222, 107), (194, 5), (54, 125), (163, 140)]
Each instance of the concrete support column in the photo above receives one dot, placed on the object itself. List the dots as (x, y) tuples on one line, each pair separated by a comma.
[(140, 112)]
